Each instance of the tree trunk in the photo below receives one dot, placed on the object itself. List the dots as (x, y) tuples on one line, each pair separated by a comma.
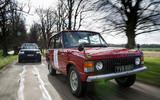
[(45, 43), (5, 50), (131, 41), (70, 4), (70, 20), (130, 31)]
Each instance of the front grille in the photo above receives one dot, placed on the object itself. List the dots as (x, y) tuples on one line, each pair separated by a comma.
[(111, 64), (29, 52)]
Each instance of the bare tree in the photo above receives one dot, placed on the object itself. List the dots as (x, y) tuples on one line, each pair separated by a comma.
[(34, 33), (132, 17), (47, 22), (61, 16), (70, 13)]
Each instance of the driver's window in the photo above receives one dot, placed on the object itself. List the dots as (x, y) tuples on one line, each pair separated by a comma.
[(94, 39)]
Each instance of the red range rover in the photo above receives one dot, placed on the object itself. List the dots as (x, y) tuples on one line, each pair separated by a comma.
[(84, 57)]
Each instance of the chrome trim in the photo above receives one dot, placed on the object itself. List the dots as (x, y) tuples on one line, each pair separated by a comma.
[(115, 75)]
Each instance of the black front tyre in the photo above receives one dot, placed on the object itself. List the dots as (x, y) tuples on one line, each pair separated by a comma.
[(19, 60), (126, 81), (51, 70), (39, 60), (76, 85)]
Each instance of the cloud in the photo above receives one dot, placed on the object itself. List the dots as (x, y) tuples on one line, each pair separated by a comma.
[(90, 24)]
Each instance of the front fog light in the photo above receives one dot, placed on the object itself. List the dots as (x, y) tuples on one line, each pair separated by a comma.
[(137, 61), (99, 66)]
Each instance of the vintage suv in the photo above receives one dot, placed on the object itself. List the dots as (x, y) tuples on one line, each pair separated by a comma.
[(84, 57)]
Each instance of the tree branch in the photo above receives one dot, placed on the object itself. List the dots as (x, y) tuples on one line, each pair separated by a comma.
[(148, 31)]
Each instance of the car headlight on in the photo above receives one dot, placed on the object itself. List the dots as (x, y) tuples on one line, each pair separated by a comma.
[(99, 65), (21, 52), (38, 52), (137, 61)]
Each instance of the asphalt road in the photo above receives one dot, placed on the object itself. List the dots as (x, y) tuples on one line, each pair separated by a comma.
[(31, 81)]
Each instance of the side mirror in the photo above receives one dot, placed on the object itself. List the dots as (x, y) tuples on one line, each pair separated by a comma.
[(81, 47), (138, 46)]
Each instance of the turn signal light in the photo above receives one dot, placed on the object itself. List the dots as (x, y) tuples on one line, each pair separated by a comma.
[(142, 61), (88, 66), (142, 58)]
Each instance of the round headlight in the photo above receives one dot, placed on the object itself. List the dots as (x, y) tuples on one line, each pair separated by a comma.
[(137, 61), (99, 65)]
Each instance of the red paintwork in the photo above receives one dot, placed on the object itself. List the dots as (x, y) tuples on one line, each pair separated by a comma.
[(75, 57), (110, 52)]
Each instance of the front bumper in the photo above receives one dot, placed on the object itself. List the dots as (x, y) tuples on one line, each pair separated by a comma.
[(34, 57), (115, 75)]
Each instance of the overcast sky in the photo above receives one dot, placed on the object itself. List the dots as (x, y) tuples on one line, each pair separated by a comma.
[(153, 38)]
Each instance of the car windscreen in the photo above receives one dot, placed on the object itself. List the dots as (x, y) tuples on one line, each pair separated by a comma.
[(29, 46), (88, 39)]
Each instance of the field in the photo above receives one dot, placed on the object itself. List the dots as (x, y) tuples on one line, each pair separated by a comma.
[(150, 49), (6, 60), (151, 54)]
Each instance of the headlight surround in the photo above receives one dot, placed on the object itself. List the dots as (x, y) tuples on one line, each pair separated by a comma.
[(137, 61), (99, 65)]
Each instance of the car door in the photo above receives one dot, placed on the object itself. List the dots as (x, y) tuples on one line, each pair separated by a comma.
[(49, 53), (57, 52)]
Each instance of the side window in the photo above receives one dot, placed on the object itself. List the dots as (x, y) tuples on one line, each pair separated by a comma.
[(58, 43), (51, 44), (95, 39)]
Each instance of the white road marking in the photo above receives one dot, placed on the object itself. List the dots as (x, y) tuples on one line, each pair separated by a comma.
[(43, 64), (21, 83), (44, 91)]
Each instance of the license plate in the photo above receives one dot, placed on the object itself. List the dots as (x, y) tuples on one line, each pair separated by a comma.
[(123, 68), (30, 55)]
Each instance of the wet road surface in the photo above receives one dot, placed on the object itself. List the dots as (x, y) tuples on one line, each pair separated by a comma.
[(31, 81)]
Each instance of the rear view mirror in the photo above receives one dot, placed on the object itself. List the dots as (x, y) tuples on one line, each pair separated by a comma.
[(81, 47)]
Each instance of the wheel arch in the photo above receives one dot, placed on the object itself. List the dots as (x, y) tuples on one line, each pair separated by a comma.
[(69, 65)]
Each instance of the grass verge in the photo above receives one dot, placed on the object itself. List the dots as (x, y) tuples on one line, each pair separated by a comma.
[(152, 74), (5, 60), (44, 52)]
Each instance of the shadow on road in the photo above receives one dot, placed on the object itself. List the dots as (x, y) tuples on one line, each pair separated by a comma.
[(59, 82), (103, 90), (109, 90)]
